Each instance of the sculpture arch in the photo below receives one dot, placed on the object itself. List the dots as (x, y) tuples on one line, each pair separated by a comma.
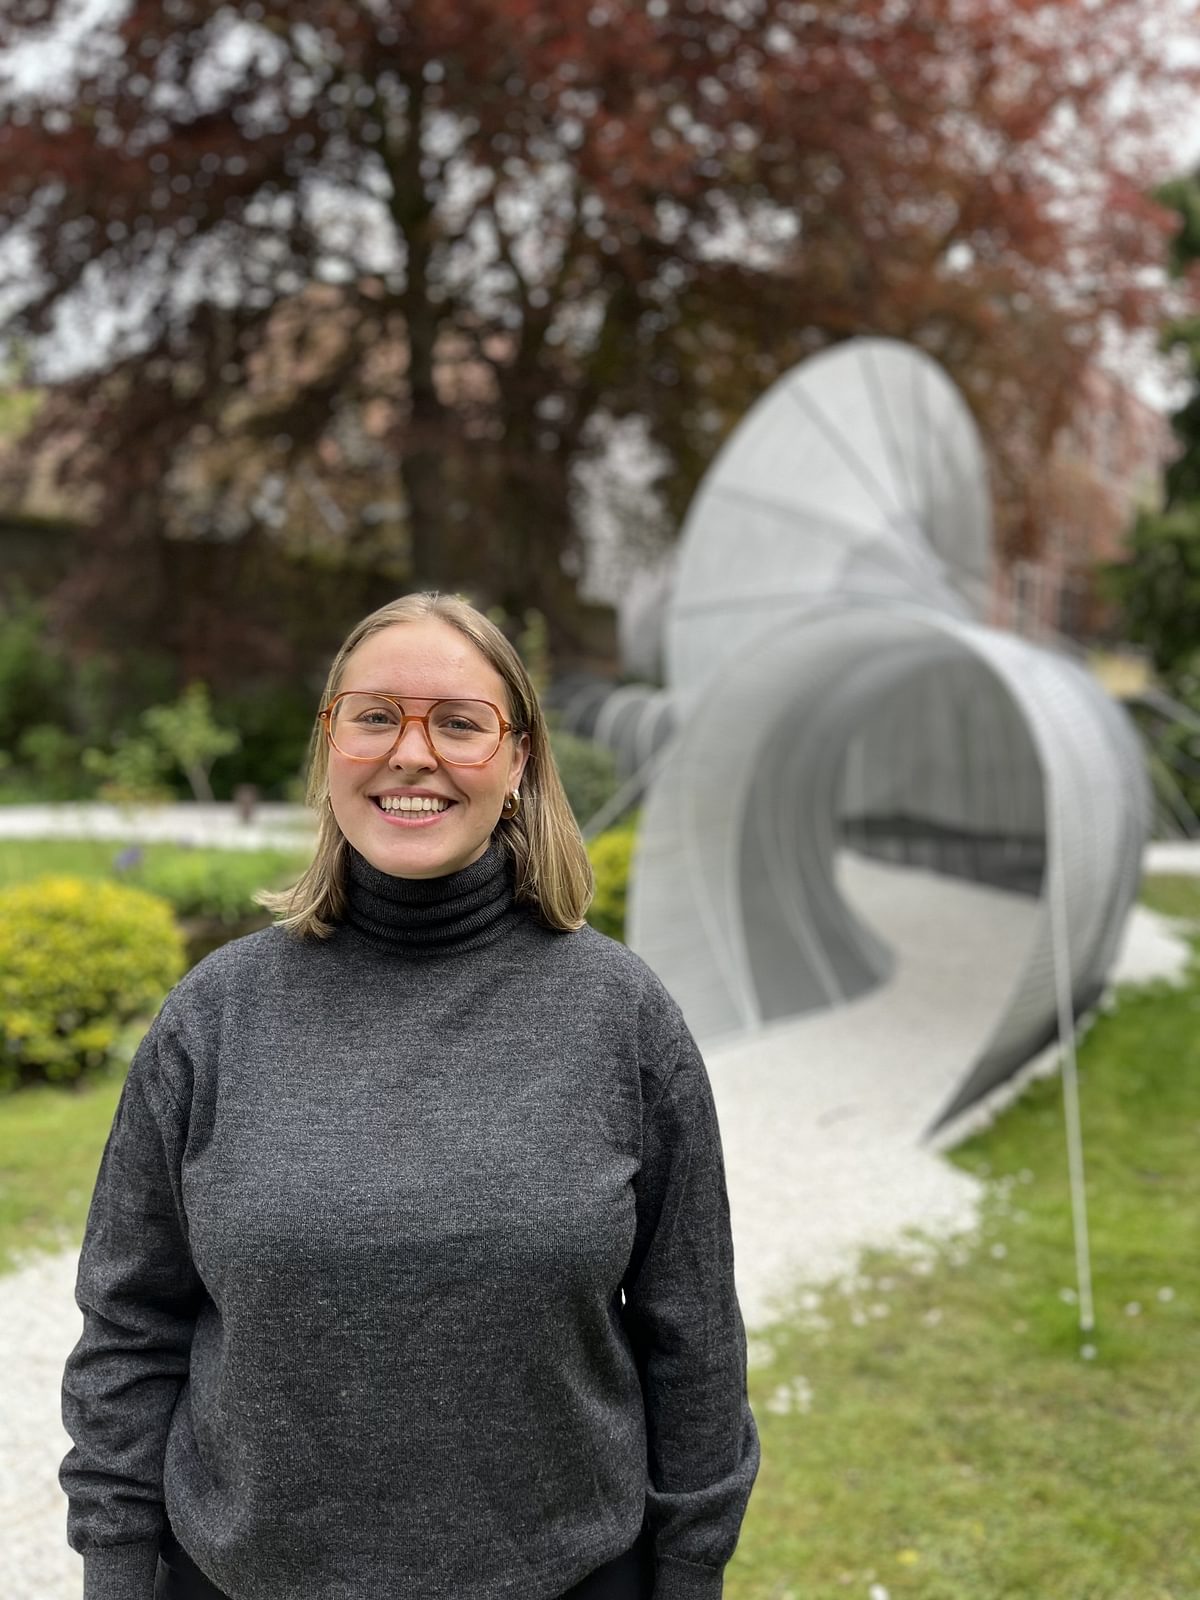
[(829, 672)]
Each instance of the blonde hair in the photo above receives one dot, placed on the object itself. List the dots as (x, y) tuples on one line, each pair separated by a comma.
[(553, 874)]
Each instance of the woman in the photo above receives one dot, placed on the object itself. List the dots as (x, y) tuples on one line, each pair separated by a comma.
[(408, 1270)]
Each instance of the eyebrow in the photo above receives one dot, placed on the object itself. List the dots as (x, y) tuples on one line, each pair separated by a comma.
[(399, 694)]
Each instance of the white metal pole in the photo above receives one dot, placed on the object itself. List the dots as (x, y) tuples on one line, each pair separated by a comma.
[(1070, 1076)]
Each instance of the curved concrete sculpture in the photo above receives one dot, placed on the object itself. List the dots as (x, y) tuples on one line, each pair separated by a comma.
[(829, 673)]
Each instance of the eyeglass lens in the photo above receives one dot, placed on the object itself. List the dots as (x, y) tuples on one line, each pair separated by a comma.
[(459, 730)]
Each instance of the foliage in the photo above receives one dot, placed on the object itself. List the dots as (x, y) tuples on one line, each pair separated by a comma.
[(1158, 582), (216, 885), (530, 637), (588, 772), (47, 764), (79, 961), (611, 854), (53, 757), (1157, 585), (55, 707), (210, 884), (383, 280), (34, 677), (189, 736), (70, 726), (131, 772), (182, 736), (274, 723), (1171, 736)]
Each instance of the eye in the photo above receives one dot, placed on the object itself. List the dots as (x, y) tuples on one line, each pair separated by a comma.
[(372, 716)]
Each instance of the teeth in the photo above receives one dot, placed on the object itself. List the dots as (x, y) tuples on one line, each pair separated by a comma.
[(410, 803)]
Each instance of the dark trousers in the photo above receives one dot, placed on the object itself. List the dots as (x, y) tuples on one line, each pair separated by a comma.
[(629, 1576)]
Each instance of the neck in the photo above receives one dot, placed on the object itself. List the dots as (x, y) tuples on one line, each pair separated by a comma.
[(462, 911)]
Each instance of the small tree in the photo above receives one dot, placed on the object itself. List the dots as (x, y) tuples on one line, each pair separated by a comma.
[(189, 736)]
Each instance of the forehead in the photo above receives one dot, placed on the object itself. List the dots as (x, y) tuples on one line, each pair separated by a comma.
[(427, 657)]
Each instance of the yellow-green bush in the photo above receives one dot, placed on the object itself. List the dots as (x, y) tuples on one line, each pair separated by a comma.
[(612, 855), (79, 961)]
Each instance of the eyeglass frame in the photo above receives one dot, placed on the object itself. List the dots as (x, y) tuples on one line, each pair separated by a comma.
[(326, 716)]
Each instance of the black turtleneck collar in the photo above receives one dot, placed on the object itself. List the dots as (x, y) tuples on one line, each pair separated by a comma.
[(464, 910)]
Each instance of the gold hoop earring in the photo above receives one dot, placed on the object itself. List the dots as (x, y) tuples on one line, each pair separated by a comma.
[(512, 804)]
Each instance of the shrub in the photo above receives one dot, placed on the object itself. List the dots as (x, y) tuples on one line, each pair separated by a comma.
[(79, 961), (588, 772), (219, 885), (612, 856)]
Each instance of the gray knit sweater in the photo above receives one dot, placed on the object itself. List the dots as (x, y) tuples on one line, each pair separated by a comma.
[(408, 1270)]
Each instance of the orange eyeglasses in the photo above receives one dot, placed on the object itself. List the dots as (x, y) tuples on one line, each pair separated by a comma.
[(365, 725)]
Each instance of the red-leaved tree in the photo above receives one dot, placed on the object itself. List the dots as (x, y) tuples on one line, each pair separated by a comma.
[(363, 282)]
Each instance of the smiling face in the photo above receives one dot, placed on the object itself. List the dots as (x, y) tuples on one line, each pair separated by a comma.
[(423, 661)]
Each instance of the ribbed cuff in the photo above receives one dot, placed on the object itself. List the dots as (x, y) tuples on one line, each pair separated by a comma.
[(687, 1580), (120, 1571)]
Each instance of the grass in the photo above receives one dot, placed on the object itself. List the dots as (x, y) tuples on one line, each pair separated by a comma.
[(51, 1141), (21, 859), (940, 1427), (1172, 894), (932, 1428)]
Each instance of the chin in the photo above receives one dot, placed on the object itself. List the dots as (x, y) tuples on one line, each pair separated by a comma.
[(409, 859)]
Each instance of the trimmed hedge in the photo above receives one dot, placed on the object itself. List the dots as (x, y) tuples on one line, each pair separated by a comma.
[(80, 960)]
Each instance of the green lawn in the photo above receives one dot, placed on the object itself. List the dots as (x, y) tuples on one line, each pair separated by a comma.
[(937, 1429), (51, 1141), (934, 1429), (21, 859), (1173, 894)]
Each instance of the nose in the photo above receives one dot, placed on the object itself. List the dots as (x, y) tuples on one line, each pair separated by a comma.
[(412, 748)]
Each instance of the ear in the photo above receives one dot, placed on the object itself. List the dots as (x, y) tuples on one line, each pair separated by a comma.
[(520, 757)]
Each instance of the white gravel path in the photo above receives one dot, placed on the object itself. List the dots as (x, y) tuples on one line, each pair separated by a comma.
[(819, 1120), (822, 1119)]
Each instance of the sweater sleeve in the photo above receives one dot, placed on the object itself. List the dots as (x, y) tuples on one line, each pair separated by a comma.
[(685, 1328), (140, 1294)]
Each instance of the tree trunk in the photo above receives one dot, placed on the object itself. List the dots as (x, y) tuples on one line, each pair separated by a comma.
[(422, 455)]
